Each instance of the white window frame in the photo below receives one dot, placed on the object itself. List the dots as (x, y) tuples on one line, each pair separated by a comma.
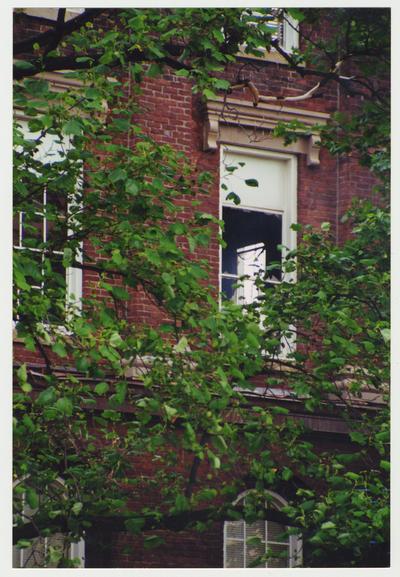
[(73, 275), (289, 212), (290, 34), (287, 35), (76, 550), (52, 13), (294, 545)]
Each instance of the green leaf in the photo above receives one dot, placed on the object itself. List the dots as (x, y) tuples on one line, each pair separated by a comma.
[(135, 525), (72, 127), (84, 59), (171, 412), (132, 187), (218, 35), (233, 197), (117, 257), (153, 541), (65, 406), (353, 476), (385, 465), (121, 389), (54, 555), (118, 174), (287, 474), (206, 494), (82, 364), (77, 508), (386, 335), (23, 544), (214, 460), (296, 13), (219, 442), (181, 503), (251, 182), (23, 65), (67, 256), (221, 84), (47, 396), (181, 346), (116, 340), (101, 388), (209, 94), (182, 72), (120, 293), (358, 437), (59, 349), (32, 498), (23, 378), (279, 410), (328, 525), (154, 70)]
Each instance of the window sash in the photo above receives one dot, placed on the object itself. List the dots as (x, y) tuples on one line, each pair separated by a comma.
[(293, 543), (49, 151)]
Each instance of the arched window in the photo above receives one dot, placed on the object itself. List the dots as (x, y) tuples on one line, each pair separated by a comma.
[(246, 542), (44, 551)]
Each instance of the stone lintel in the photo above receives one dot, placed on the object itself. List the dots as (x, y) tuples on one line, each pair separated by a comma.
[(241, 123)]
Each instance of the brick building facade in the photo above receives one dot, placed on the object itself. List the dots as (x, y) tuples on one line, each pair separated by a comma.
[(321, 189)]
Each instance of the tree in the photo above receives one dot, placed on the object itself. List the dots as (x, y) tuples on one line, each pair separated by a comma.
[(87, 421)]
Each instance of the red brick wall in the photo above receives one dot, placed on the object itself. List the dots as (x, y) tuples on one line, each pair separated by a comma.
[(172, 115)]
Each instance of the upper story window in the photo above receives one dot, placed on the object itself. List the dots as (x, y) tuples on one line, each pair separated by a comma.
[(283, 28), (52, 13), (244, 543), (257, 230), (40, 231)]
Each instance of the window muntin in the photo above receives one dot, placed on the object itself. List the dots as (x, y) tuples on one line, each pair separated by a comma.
[(273, 538)]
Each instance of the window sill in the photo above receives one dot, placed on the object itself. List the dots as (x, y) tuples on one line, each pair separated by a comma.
[(271, 57)]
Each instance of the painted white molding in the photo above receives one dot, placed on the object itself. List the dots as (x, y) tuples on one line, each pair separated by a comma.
[(239, 122)]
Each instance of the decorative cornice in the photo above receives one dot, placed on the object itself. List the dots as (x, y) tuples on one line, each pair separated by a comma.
[(228, 122), (60, 83)]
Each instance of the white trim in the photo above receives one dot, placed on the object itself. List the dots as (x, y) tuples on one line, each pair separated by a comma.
[(289, 212), (290, 34), (73, 276), (287, 34), (76, 550), (52, 13), (294, 542)]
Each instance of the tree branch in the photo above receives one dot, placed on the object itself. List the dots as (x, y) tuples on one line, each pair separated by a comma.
[(46, 37), (58, 32), (117, 523)]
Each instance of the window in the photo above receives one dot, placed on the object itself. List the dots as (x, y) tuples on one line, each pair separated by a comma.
[(43, 224), (255, 229), (44, 551), (252, 238), (288, 33), (52, 13), (284, 28), (245, 542)]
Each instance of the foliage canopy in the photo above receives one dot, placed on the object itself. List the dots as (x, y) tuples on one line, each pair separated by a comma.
[(194, 394)]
